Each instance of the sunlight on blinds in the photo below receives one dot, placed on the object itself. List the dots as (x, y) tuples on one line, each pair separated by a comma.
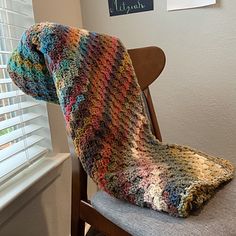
[(24, 128)]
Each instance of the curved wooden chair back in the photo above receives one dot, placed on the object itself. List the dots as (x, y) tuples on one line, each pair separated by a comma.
[(148, 64)]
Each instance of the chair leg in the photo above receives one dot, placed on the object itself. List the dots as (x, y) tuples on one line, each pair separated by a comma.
[(79, 191), (81, 228), (78, 228), (94, 232)]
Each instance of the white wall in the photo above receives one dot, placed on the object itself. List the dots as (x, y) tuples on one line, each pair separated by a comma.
[(68, 13), (43, 209), (58, 11), (196, 95)]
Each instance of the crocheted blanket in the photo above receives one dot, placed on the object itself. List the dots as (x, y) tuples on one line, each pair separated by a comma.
[(91, 77)]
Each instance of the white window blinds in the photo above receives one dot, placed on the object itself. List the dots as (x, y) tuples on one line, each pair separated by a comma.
[(24, 129)]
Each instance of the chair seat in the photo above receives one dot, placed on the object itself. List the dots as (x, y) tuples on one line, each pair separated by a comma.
[(217, 217)]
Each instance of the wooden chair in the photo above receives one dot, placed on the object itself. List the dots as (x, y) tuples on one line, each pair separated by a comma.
[(148, 64)]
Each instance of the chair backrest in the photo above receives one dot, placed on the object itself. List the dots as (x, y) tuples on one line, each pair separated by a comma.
[(148, 64)]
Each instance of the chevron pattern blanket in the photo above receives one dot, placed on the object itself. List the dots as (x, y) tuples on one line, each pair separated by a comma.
[(91, 77)]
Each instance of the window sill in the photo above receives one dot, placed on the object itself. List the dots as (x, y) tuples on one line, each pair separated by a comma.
[(31, 180)]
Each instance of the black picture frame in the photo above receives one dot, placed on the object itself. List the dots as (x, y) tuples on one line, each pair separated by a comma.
[(124, 7)]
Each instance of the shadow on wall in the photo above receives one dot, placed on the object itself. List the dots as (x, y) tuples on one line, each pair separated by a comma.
[(29, 220), (43, 209)]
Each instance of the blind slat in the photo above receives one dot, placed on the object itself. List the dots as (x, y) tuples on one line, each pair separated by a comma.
[(13, 25), (19, 161), (18, 120), (9, 38), (8, 10), (19, 125), (5, 81), (16, 107), (19, 146), (11, 94), (9, 137), (5, 52)]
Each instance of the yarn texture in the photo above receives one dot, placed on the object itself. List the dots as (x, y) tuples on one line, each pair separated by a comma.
[(91, 77)]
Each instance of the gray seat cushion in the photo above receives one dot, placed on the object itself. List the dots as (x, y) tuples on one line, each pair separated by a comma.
[(216, 218)]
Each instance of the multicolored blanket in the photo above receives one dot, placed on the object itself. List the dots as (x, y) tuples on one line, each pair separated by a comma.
[(91, 77)]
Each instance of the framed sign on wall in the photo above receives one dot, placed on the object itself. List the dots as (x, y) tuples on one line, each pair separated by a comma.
[(124, 7)]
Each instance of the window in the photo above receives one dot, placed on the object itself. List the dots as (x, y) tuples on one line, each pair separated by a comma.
[(24, 129)]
